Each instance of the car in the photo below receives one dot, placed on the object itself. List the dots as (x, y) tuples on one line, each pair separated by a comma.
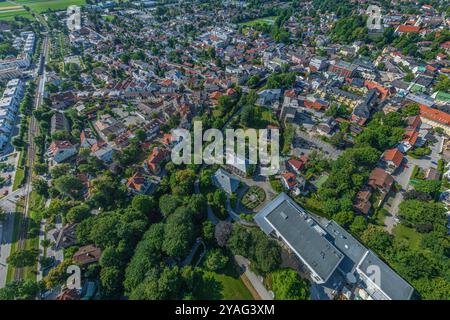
[(5, 192), (434, 162)]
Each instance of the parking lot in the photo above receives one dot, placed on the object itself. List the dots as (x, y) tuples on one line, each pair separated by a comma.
[(8, 165), (304, 144)]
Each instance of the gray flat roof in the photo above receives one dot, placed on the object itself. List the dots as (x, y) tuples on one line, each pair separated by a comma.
[(359, 257), (302, 233), (390, 283), (347, 244), (324, 246)]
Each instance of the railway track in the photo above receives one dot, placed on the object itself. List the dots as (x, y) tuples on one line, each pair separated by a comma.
[(33, 131)]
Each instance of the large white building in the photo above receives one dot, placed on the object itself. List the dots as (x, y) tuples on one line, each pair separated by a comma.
[(325, 248), (9, 106)]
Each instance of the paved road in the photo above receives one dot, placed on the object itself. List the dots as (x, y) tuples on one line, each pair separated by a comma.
[(6, 228), (254, 279)]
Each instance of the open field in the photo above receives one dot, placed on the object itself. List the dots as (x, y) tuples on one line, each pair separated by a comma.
[(41, 6), (9, 15), (10, 10)]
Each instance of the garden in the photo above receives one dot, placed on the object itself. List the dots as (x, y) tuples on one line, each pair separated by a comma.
[(253, 197)]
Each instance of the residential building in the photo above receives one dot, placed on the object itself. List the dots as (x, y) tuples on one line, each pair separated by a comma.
[(381, 180), (60, 151), (225, 181), (325, 248), (392, 159)]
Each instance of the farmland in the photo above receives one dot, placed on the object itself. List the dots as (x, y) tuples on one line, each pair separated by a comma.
[(9, 10), (9, 15)]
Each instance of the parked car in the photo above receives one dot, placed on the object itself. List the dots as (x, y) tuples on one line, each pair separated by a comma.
[(5, 192)]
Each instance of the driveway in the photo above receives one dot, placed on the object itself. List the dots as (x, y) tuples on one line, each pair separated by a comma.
[(253, 278), (12, 161), (402, 177)]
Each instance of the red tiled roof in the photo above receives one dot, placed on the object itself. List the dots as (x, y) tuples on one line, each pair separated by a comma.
[(414, 122), (405, 28), (215, 95), (435, 115), (158, 155), (371, 85), (297, 164), (411, 136), (290, 179), (393, 155), (136, 182), (230, 91)]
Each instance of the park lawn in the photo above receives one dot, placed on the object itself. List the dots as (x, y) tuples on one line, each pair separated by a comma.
[(409, 234), (41, 6), (224, 285), (20, 173), (265, 20)]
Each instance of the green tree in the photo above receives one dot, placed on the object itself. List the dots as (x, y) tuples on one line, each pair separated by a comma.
[(358, 225), (168, 203), (40, 186), (23, 258), (287, 285), (215, 260), (178, 233), (377, 239), (69, 185), (182, 182), (60, 170), (78, 213), (144, 204)]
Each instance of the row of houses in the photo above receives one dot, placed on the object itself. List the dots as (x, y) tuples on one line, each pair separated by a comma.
[(9, 106)]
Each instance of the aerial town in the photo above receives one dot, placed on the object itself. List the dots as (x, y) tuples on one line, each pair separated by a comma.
[(93, 207)]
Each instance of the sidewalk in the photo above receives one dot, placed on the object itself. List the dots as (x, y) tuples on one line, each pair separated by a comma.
[(254, 279)]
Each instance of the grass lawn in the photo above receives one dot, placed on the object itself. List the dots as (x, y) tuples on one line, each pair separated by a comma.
[(8, 6), (20, 173), (321, 181), (265, 20), (226, 285), (37, 204), (41, 6), (17, 220), (409, 234)]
